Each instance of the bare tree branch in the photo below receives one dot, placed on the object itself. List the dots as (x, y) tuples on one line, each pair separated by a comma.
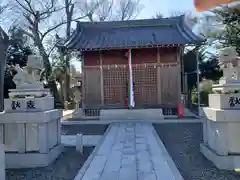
[(3, 7), (28, 33), (24, 7), (52, 29), (104, 11), (28, 2), (128, 9)]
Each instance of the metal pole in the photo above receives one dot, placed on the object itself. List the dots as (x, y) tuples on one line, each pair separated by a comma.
[(198, 88)]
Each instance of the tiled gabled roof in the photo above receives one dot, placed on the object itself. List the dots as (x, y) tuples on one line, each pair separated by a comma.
[(130, 34)]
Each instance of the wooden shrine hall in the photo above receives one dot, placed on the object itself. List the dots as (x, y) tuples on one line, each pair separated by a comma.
[(156, 48)]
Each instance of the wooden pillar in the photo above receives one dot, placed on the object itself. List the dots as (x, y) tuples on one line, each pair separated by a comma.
[(159, 90), (83, 82), (179, 74), (101, 78)]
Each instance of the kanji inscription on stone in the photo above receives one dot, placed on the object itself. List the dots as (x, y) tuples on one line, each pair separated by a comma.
[(233, 101), (30, 104), (15, 105)]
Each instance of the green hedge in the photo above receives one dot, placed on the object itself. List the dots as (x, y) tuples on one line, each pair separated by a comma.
[(203, 98), (205, 90)]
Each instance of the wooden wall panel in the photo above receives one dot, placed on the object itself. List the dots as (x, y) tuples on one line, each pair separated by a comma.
[(92, 85), (114, 83), (169, 78), (145, 84), (168, 55)]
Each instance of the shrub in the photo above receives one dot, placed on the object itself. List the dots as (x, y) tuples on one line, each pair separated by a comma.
[(205, 89)]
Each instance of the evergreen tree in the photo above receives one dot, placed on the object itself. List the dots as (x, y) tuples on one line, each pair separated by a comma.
[(230, 35), (208, 66), (17, 53), (228, 32)]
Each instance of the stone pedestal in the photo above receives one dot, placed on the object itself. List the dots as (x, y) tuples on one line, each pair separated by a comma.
[(222, 131), (131, 114), (30, 131)]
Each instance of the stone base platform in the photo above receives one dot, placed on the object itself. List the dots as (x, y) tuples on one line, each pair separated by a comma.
[(229, 162), (32, 160), (31, 139), (131, 114)]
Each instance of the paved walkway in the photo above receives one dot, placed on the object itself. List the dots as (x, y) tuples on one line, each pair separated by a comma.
[(129, 151)]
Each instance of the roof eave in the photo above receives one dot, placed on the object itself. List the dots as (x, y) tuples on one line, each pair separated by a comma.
[(131, 47), (187, 33), (72, 40)]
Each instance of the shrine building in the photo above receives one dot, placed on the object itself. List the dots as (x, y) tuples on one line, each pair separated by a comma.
[(156, 46)]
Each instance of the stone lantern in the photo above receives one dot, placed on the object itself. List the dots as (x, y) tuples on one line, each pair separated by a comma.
[(229, 62)]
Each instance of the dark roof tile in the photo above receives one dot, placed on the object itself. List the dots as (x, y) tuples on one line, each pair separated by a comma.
[(133, 33)]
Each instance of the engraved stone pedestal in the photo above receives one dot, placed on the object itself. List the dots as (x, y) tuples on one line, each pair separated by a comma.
[(222, 131), (30, 131)]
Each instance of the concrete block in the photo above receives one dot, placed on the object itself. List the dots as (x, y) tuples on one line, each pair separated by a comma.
[(32, 137), (221, 162), (30, 117), (221, 115), (32, 160)]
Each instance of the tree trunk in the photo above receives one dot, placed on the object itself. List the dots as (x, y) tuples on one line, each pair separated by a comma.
[(51, 82), (69, 7), (67, 79)]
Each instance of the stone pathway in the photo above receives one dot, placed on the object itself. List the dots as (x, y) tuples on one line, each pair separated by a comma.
[(130, 151)]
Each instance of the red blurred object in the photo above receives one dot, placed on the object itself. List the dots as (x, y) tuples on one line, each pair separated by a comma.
[(180, 110), (203, 5)]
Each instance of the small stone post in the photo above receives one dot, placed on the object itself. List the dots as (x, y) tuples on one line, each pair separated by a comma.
[(79, 143)]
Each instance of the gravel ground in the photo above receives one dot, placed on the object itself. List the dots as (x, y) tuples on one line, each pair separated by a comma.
[(182, 142), (64, 168), (86, 129)]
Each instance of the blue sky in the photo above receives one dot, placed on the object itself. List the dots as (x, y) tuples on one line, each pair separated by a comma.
[(150, 8), (164, 6)]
